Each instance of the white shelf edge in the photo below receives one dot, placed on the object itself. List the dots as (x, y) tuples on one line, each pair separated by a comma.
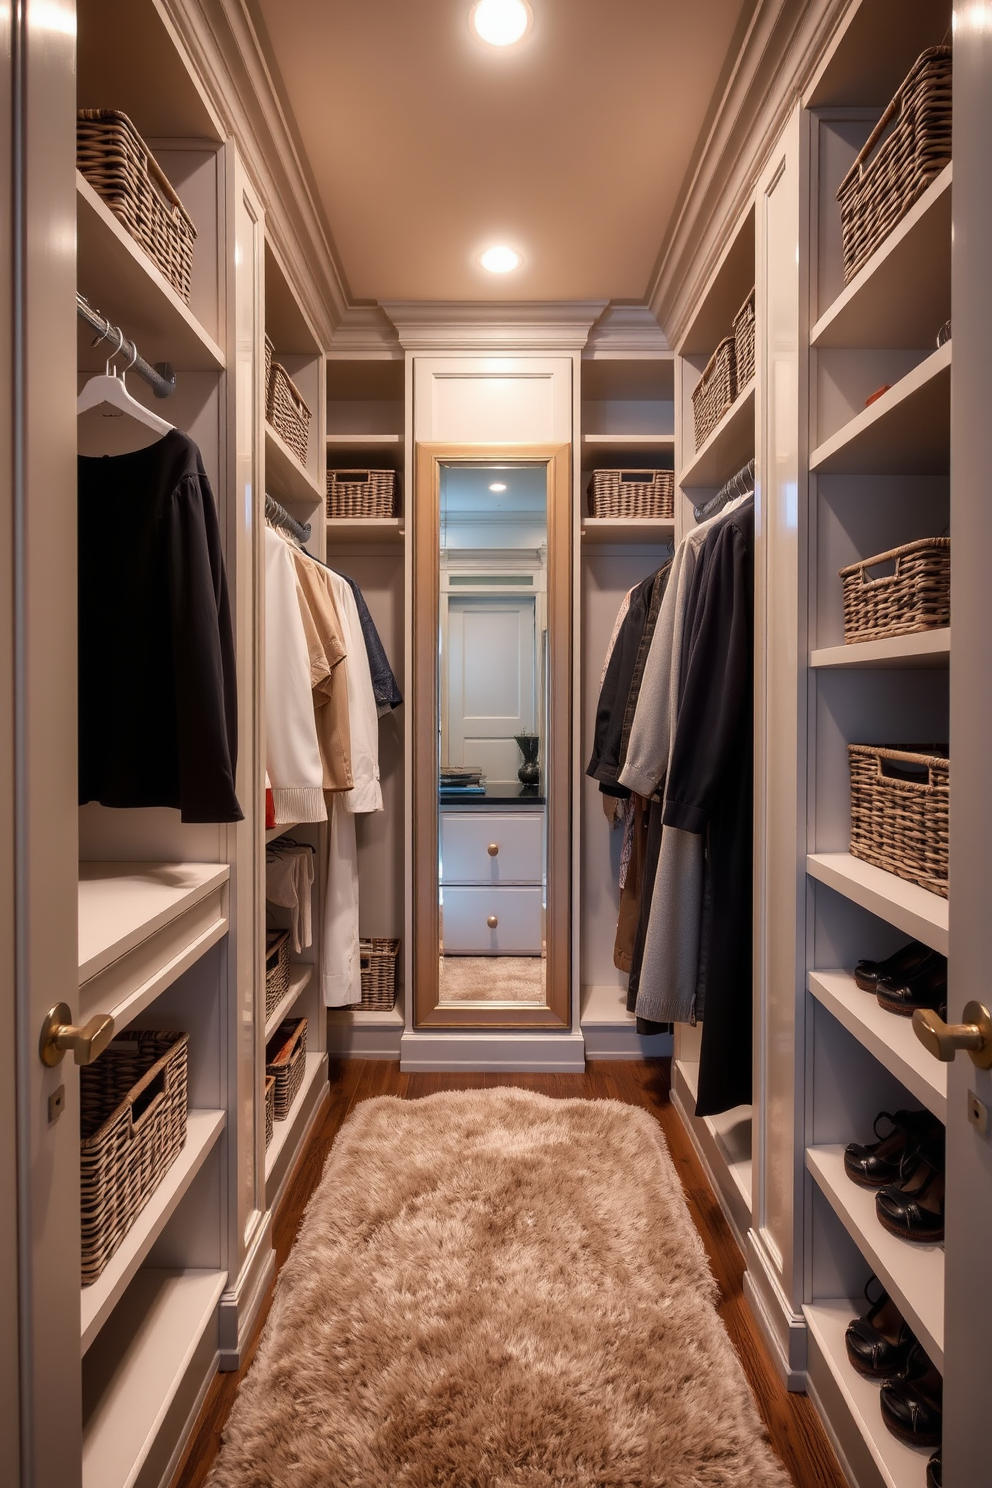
[(129, 1007), (916, 911), (631, 441), (271, 833), (283, 1131), (300, 977), (359, 1017), (384, 531), (204, 878), (933, 646), (98, 1300), (887, 1036), (361, 441), (302, 485), (932, 367), (643, 530), (735, 414), (911, 1273)]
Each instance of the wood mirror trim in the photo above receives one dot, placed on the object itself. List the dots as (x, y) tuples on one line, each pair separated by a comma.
[(426, 597)]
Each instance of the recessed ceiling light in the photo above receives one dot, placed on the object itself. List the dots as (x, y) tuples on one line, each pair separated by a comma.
[(501, 22), (500, 260), (497, 486)]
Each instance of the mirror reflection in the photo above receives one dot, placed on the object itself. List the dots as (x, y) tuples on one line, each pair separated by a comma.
[(492, 729)]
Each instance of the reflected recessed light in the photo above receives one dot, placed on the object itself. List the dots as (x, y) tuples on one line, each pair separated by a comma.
[(497, 486), (500, 260), (501, 22)]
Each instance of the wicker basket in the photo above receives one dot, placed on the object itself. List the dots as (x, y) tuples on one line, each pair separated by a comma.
[(899, 810), (285, 1060), (715, 390), (744, 342), (361, 493), (908, 148), (276, 968), (133, 1123), (287, 412), (632, 493), (916, 596), (270, 1107), (115, 160), (378, 960), (270, 352)]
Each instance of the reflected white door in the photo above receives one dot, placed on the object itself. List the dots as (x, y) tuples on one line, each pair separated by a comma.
[(490, 676)]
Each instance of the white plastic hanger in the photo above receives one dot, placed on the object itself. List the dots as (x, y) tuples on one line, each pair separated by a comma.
[(109, 389)]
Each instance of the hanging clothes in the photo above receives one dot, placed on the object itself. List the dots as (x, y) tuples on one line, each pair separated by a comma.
[(292, 752), (288, 883), (158, 708), (621, 681), (327, 649), (384, 685)]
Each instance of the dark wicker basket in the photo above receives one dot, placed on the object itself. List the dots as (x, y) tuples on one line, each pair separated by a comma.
[(133, 1125), (287, 411), (916, 596), (378, 961), (285, 1060), (744, 342), (908, 148), (270, 1107), (632, 493), (361, 493), (115, 160), (715, 391), (270, 352), (276, 968), (899, 811)]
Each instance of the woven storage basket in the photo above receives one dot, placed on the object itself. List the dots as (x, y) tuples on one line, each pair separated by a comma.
[(133, 1124), (276, 968), (632, 493), (270, 352), (378, 960), (285, 1060), (916, 596), (744, 342), (907, 149), (361, 493), (115, 160), (899, 809), (715, 391), (270, 1107), (287, 412)]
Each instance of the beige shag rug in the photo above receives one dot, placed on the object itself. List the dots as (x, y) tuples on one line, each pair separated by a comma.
[(493, 979), (496, 1290)]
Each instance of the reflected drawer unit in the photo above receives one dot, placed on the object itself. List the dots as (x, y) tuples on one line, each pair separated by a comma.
[(492, 882)]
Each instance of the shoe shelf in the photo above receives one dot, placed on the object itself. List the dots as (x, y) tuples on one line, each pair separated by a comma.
[(289, 1135), (925, 648), (917, 912), (300, 976), (898, 1464), (727, 447), (912, 1273), (889, 1037), (906, 431)]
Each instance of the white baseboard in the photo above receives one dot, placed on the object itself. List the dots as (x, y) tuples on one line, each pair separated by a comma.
[(351, 1040), (736, 1206), (469, 1052), (783, 1330), (610, 1031), (241, 1303)]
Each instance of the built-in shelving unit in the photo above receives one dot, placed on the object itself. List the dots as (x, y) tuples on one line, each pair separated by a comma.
[(384, 532), (298, 484), (288, 1135), (299, 979), (724, 1143), (906, 431), (914, 911), (649, 531), (924, 648), (726, 448)]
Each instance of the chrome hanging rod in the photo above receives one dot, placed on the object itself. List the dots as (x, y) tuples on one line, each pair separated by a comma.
[(161, 378), (279, 517), (741, 484)]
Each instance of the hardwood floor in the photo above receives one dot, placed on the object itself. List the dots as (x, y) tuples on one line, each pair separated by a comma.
[(792, 1422)]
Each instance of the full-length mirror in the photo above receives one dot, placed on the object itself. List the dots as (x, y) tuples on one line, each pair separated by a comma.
[(492, 659)]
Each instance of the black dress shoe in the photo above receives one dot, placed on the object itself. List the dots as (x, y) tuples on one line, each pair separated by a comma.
[(934, 1471), (914, 1210), (908, 959), (912, 1402), (924, 988), (875, 1164), (879, 1343)]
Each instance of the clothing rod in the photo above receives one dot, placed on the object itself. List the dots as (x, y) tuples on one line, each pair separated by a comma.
[(161, 378), (278, 514), (741, 484)]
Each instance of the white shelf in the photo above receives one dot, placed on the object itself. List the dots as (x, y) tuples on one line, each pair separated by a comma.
[(271, 833), (384, 532), (912, 1274), (900, 1465), (286, 1134), (362, 441), (929, 649), (121, 281), (98, 1301), (914, 910), (143, 1358), (727, 447), (889, 1037), (141, 925), (902, 296), (604, 444), (285, 477), (300, 976), (907, 431), (628, 530)]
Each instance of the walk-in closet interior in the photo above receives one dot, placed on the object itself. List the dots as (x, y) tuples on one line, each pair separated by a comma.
[(477, 542)]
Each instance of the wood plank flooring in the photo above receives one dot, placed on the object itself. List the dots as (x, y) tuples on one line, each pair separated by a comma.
[(792, 1422)]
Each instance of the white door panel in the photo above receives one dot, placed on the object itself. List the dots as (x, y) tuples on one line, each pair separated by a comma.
[(465, 927), (490, 682)]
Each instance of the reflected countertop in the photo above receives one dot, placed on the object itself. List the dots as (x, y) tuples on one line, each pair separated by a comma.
[(497, 793)]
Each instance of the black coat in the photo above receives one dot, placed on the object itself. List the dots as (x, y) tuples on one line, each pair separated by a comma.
[(621, 683)]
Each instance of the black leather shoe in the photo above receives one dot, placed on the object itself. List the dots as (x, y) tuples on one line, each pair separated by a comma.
[(876, 1164), (934, 1471), (912, 1402), (914, 1209), (879, 1343), (924, 988), (868, 974)]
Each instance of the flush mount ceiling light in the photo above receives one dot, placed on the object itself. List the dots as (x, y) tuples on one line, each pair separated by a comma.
[(497, 486), (501, 22), (500, 260)]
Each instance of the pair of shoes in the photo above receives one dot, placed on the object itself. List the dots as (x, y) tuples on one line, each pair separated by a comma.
[(878, 1344), (923, 987), (912, 1402), (881, 1162), (868, 974), (913, 1208), (934, 1471)]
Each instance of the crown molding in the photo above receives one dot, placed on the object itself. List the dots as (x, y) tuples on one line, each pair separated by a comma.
[(627, 332), (365, 333), (781, 49), (493, 325)]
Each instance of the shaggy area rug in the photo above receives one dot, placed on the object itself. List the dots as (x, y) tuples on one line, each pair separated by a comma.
[(496, 1290), (493, 979)]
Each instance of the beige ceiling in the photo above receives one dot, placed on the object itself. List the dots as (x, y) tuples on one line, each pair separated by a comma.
[(426, 146)]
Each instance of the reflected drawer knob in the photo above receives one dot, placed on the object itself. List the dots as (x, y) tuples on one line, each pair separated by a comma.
[(492, 922), (493, 849)]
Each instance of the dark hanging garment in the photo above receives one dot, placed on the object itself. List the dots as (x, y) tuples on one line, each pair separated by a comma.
[(710, 792), (615, 711), (157, 688), (384, 685)]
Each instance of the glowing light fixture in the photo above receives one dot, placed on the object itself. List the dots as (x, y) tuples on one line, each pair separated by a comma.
[(497, 486), (500, 260), (501, 22)]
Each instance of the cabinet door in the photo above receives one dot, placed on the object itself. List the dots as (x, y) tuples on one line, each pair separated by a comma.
[(490, 848), (492, 922)]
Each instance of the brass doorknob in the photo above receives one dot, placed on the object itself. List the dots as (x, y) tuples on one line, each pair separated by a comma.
[(59, 1034), (493, 849), (945, 1039), (492, 922)]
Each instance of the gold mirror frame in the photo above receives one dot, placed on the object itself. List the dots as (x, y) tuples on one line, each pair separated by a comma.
[(429, 458)]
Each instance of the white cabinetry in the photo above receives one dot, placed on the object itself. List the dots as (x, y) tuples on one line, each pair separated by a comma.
[(492, 872)]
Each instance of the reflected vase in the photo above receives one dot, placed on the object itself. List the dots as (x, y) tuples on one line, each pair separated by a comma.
[(529, 773)]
